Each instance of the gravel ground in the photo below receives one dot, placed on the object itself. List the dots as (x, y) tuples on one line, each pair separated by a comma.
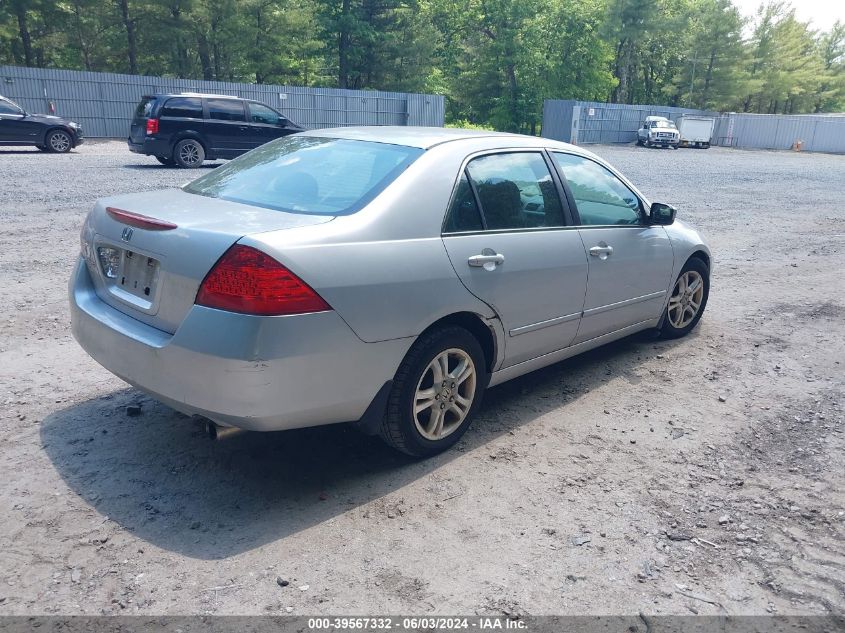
[(697, 476)]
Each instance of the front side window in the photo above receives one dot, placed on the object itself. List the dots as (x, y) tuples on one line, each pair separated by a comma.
[(308, 174), (260, 113), (226, 110), (516, 191), (187, 107), (7, 107), (602, 199)]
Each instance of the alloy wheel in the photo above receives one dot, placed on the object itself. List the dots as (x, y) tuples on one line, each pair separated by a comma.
[(444, 394), (189, 153), (59, 142), (686, 299)]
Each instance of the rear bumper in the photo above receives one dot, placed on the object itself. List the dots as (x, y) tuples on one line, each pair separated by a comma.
[(150, 147), (255, 373)]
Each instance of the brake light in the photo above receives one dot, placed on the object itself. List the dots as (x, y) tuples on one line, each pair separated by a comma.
[(248, 281), (152, 126), (140, 221)]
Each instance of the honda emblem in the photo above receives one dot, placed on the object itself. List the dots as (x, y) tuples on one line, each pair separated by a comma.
[(127, 234)]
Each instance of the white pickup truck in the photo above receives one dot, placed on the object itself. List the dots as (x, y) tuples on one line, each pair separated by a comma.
[(696, 131), (658, 131)]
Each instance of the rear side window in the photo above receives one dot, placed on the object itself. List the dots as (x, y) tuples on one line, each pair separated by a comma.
[(516, 191), (308, 174), (226, 109), (463, 214), (143, 109), (187, 107)]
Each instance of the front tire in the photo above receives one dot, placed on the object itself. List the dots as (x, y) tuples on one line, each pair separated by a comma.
[(188, 153), (436, 392), (687, 301), (59, 142)]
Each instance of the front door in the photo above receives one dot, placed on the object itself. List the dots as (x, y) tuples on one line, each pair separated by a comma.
[(630, 262), (13, 125), (265, 124), (508, 239)]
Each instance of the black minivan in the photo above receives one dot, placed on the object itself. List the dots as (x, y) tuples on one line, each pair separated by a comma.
[(187, 128)]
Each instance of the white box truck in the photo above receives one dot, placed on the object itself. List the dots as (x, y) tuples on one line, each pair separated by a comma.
[(696, 131)]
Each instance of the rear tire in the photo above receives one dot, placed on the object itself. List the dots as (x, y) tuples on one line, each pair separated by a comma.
[(164, 160), (188, 153), (436, 392), (687, 301), (59, 142)]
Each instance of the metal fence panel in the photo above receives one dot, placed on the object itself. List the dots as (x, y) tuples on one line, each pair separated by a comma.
[(103, 103), (591, 122), (601, 122)]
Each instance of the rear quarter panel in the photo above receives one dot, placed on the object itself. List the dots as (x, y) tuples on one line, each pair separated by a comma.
[(385, 269)]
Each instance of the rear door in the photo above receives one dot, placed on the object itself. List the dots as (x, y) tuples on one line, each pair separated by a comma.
[(265, 124), (226, 130), (630, 262), (509, 238)]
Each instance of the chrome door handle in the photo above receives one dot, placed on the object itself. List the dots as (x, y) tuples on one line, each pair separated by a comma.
[(488, 259), (602, 251)]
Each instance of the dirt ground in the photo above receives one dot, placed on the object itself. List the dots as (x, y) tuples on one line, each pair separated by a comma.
[(705, 475)]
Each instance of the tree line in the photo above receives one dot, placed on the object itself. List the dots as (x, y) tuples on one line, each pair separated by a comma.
[(495, 60)]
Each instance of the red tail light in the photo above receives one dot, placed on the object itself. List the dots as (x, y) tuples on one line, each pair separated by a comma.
[(251, 282), (152, 126)]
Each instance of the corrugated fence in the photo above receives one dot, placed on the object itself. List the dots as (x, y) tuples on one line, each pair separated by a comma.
[(593, 122), (103, 103)]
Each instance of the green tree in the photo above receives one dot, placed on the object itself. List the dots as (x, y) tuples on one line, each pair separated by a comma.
[(786, 68), (713, 75)]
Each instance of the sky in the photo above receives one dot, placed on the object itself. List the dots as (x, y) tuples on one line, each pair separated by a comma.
[(822, 13)]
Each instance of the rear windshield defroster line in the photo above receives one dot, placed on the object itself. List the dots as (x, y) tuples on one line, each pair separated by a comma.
[(308, 174)]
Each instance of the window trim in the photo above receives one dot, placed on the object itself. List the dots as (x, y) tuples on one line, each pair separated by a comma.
[(568, 217), (569, 195)]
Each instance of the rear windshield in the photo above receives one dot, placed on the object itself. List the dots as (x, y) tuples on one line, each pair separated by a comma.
[(308, 174), (142, 111)]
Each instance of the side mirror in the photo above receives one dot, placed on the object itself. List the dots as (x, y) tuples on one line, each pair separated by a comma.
[(661, 214)]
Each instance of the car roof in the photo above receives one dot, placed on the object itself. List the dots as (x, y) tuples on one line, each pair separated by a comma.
[(428, 137)]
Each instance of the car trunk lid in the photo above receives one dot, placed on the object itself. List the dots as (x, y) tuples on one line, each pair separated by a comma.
[(149, 252)]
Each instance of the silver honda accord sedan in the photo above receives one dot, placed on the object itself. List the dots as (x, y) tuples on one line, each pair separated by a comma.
[(385, 276)]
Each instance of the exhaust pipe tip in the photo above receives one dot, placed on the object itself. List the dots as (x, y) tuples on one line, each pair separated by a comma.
[(219, 432)]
